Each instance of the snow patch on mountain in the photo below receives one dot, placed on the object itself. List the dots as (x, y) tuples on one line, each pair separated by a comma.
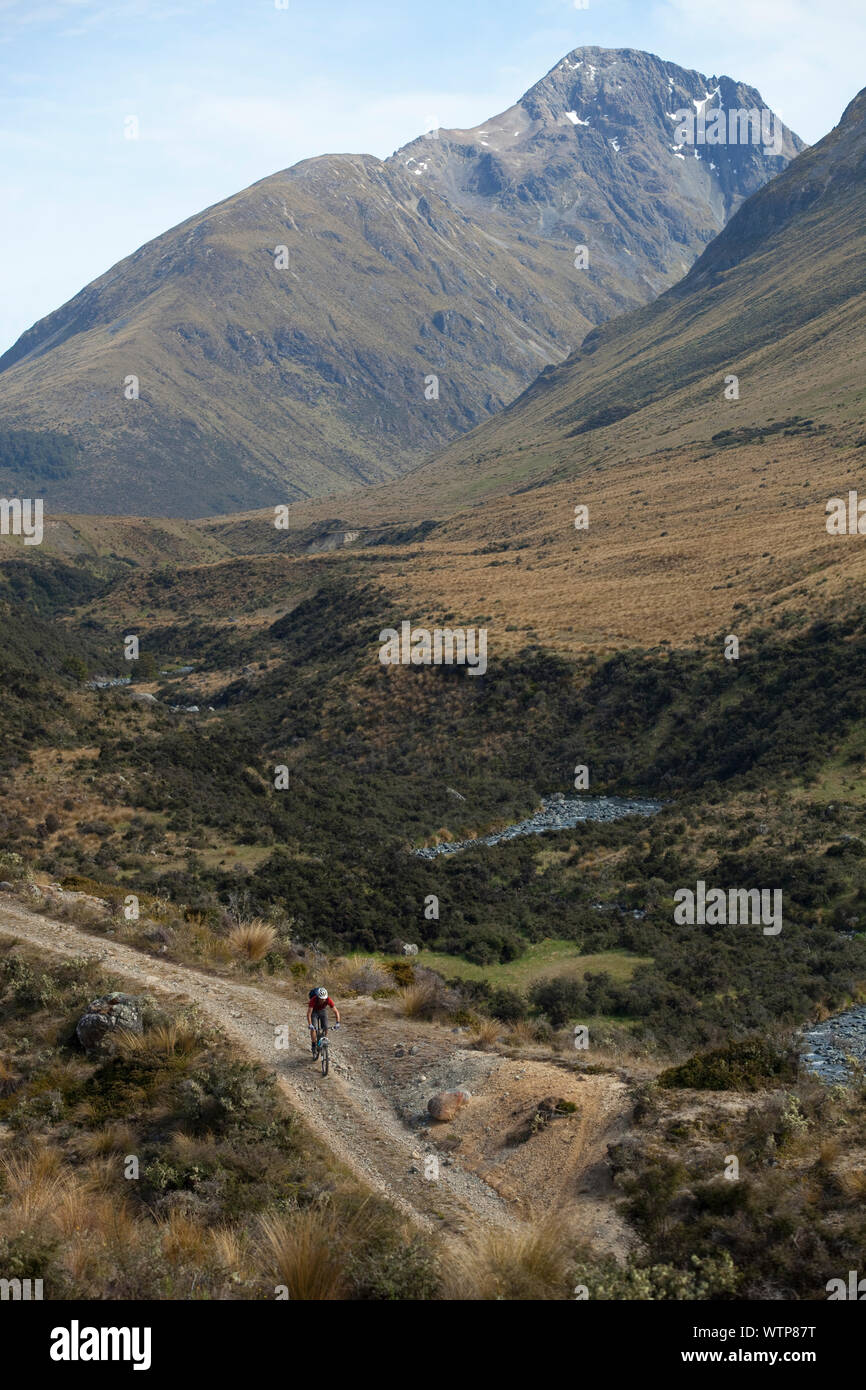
[(701, 105)]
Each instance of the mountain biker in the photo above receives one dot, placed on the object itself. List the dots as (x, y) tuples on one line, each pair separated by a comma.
[(317, 1012)]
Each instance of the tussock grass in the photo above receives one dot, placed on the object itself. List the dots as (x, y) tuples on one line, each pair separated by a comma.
[(164, 1042), (853, 1184), (523, 1033), (828, 1153), (8, 1077), (304, 1251), (204, 943), (113, 1138), (77, 1210), (528, 1262), (486, 1034), (78, 912), (229, 1251), (33, 1184), (75, 1206), (416, 1001), (184, 1240), (427, 998), (252, 940)]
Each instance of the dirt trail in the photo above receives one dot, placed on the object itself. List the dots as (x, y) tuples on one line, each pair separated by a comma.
[(370, 1110)]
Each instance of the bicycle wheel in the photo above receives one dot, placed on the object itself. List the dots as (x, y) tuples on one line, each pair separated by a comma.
[(324, 1051)]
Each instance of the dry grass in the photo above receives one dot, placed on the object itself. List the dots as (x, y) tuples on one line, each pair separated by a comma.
[(203, 943), (442, 836), (364, 976), (77, 1207), (229, 1251), (77, 1212), (853, 1184), (184, 1240), (647, 575), (33, 1184), (81, 911), (8, 1077), (161, 908), (163, 1042), (522, 1033), (416, 1001), (252, 939), (427, 998), (305, 1251), (193, 1148), (114, 1138), (828, 1153), (526, 1263), (486, 1034)]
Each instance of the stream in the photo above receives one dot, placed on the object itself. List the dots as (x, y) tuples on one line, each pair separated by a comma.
[(827, 1050), (829, 1047), (557, 813)]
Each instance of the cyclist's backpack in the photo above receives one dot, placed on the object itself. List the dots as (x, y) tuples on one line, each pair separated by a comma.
[(313, 993)]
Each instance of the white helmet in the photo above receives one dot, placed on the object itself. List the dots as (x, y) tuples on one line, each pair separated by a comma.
[(322, 993)]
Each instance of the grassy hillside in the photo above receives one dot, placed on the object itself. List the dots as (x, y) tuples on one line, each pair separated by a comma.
[(283, 342), (704, 511)]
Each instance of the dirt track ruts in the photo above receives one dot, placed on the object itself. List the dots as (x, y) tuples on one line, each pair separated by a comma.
[(345, 1110)]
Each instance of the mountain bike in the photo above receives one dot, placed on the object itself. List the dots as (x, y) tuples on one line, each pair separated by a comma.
[(322, 1046)]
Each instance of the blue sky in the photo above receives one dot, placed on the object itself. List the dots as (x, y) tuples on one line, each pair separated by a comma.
[(228, 91)]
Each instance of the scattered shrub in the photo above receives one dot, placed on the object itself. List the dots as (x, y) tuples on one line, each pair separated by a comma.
[(749, 1065)]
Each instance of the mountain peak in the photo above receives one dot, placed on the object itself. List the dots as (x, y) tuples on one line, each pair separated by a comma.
[(606, 120), (336, 322)]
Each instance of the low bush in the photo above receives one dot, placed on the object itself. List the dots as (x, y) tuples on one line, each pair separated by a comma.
[(751, 1064)]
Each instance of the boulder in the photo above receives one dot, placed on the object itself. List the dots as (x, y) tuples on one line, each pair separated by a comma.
[(445, 1105), (160, 936), (65, 897), (409, 949), (111, 1013)]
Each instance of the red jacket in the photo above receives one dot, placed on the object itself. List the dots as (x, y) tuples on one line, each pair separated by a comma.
[(318, 1005)]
